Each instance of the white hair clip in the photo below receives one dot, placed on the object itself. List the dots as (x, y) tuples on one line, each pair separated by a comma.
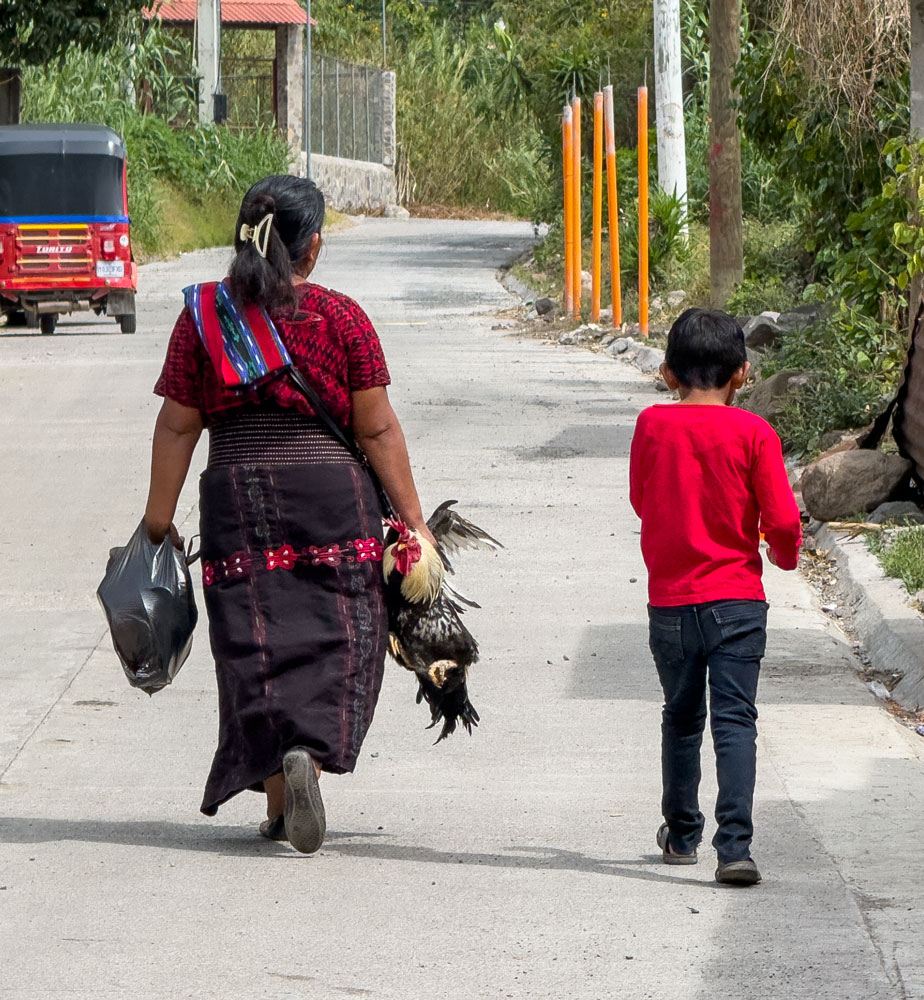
[(258, 234)]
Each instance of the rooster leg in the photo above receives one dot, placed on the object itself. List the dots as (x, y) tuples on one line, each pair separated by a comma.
[(440, 670)]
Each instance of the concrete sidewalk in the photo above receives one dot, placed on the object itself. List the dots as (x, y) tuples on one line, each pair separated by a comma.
[(516, 863)]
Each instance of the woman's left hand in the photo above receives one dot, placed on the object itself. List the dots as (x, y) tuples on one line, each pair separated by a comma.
[(426, 533)]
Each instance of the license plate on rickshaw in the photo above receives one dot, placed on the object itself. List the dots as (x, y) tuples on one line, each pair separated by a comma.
[(110, 269)]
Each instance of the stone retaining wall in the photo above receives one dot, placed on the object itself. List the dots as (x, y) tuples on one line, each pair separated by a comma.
[(352, 186)]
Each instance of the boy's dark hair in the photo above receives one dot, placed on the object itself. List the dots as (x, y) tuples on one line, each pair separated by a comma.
[(705, 348)]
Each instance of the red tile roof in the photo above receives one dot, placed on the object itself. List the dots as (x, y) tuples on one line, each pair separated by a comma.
[(233, 11)]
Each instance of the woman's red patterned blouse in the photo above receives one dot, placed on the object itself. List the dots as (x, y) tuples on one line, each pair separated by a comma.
[(329, 338)]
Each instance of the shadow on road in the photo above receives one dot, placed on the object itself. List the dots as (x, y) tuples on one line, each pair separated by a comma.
[(241, 841), (229, 840), (536, 858)]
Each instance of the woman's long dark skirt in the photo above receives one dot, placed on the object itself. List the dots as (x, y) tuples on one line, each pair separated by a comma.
[(291, 548)]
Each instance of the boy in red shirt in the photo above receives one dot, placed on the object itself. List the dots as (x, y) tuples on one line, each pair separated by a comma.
[(707, 480)]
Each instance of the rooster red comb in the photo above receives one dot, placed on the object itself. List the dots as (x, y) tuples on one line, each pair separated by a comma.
[(407, 547)]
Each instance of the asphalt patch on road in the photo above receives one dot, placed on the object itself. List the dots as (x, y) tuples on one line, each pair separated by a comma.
[(587, 441)]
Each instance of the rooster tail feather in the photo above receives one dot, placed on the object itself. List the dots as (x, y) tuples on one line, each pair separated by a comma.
[(454, 595), (448, 707)]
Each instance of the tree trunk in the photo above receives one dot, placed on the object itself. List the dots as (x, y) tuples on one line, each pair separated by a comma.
[(10, 95), (672, 156), (916, 288), (726, 252)]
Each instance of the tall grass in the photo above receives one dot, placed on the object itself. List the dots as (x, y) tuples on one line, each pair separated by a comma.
[(454, 146), (143, 93)]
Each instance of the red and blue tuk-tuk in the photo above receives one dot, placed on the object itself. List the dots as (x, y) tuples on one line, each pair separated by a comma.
[(64, 229)]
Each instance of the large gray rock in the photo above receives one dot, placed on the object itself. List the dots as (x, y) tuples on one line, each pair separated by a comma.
[(800, 318), (756, 359), (897, 511), (649, 359), (546, 305), (768, 398), (841, 486), (761, 331)]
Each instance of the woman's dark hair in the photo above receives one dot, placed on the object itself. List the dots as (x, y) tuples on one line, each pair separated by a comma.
[(297, 207), (705, 348)]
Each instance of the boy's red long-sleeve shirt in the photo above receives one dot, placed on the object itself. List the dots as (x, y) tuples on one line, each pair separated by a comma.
[(706, 481)]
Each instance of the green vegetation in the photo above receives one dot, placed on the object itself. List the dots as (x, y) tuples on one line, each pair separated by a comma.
[(481, 84), (185, 181), (38, 33), (830, 180), (901, 555)]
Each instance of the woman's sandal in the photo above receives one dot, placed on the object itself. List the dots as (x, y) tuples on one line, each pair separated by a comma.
[(274, 829), (668, 854), (305, 822)]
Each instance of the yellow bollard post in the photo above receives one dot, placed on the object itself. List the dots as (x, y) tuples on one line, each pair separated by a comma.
[(612, 204), (643, 210), (597, 251), (567, 159), (576, 206)]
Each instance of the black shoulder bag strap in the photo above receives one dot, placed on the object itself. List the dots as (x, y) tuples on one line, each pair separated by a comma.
[(342, 434)]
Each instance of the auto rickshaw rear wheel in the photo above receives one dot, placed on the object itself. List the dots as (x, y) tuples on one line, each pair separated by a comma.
[(47, 322), (16, 317), (127, 322)]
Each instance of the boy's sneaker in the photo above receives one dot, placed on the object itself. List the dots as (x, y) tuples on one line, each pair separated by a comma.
[(668, 854), (738, 872)]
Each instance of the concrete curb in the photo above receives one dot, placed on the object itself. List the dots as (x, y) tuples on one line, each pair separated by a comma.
[(891, 631), (515, 286), (643, 357)]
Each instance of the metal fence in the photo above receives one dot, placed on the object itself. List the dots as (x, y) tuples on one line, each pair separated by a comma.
[(346, 109), (249, 84)]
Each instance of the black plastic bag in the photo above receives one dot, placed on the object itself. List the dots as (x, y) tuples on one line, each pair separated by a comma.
[(148, 599)]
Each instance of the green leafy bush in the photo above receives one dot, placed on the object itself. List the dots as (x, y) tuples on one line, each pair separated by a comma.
[(775, 268), (885, 245), (813, 139), (901, 555), (857, 360), (667, 243)]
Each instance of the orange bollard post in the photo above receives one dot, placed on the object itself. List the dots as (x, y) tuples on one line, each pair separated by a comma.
[(576, 207), (612, 204), (567, 159), (596, 264), (643, 210)]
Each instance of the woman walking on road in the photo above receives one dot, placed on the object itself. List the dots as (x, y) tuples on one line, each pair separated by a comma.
[(290, 521)]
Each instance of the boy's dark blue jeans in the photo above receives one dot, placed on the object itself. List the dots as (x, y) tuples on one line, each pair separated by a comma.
[(720, 643)]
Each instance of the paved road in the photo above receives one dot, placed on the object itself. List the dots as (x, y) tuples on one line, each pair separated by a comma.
[(518, 863)]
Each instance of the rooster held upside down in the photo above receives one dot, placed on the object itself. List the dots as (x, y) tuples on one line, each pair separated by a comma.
[(426, 633)]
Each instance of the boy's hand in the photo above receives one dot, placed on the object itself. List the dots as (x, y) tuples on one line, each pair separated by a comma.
[(771, 558)]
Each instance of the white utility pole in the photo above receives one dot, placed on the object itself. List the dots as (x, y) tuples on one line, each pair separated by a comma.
[(672, 153), (208, 55)]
